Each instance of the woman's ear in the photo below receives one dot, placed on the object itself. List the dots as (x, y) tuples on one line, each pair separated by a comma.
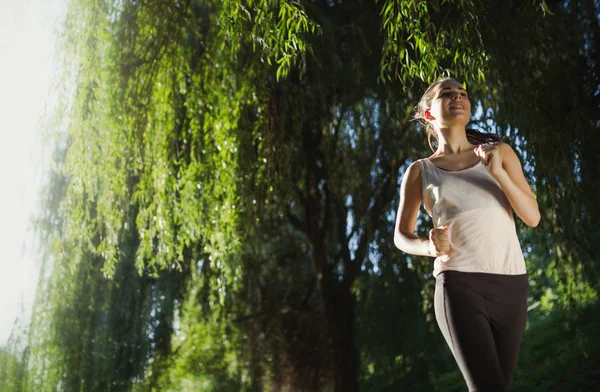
[(428, 115)]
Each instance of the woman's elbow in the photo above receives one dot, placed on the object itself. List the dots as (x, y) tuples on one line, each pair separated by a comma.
[(403, 239), (399, 241), (534, 220)]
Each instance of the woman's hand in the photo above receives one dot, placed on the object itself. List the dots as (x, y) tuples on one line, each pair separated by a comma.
[(489, 154), (504, 165), (439, 244)]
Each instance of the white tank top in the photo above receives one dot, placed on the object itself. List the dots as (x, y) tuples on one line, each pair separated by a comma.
[(481, 227)]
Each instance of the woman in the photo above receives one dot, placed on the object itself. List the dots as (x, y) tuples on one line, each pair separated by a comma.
[(470, 187)]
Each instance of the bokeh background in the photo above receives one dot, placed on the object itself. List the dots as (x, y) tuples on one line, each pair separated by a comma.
[(217, 183)]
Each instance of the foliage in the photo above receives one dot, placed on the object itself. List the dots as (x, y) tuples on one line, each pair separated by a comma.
[(560, 351), (221, 203), (547, 99)]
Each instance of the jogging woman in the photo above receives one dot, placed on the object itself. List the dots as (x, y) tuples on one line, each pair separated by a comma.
[(470, 186)]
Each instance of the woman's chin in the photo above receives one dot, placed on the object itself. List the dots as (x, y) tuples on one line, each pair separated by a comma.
[(456, 121)]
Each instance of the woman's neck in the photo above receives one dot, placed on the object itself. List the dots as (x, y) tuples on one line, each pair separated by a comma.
[(452, 141)]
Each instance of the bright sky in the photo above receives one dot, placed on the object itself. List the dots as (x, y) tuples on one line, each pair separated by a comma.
[(26, 55)]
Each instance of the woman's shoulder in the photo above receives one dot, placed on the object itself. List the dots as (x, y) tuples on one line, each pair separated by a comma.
[(413, 171), (507, 152), (412, 179), (503, 146)]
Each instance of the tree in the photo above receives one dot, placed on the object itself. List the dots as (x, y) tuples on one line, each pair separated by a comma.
[(221, 212)]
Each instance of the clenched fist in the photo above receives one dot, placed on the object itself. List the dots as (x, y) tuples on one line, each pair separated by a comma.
[(438, 241)]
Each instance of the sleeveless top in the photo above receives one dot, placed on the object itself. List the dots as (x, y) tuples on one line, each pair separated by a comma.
[(481, 227)]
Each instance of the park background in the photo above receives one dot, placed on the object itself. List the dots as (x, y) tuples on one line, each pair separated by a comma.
[(218, 207)]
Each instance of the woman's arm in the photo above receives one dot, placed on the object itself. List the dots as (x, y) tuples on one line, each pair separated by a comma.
[(411, 197), (509, 175)]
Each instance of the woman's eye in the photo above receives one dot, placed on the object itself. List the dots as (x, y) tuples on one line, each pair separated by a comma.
[(448, 93)]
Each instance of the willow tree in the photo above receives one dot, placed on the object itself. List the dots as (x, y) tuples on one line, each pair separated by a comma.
[(228, 175), (547, 83)]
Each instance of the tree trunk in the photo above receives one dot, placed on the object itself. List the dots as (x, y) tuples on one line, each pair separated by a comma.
[(340, 313), (341, 310)]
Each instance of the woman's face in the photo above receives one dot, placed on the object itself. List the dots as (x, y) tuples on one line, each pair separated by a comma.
[(450, 105)]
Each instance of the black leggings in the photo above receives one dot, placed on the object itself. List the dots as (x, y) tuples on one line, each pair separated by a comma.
[(482, 317)]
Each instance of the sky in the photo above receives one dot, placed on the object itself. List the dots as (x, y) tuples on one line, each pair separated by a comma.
[(27, 32)]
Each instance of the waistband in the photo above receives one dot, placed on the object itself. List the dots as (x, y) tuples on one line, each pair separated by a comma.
[(482, 281)]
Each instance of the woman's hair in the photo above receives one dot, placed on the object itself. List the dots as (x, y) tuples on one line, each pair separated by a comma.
[(473, 136)]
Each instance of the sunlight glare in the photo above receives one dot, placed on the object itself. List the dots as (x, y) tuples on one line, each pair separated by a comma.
[(26, 50)]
